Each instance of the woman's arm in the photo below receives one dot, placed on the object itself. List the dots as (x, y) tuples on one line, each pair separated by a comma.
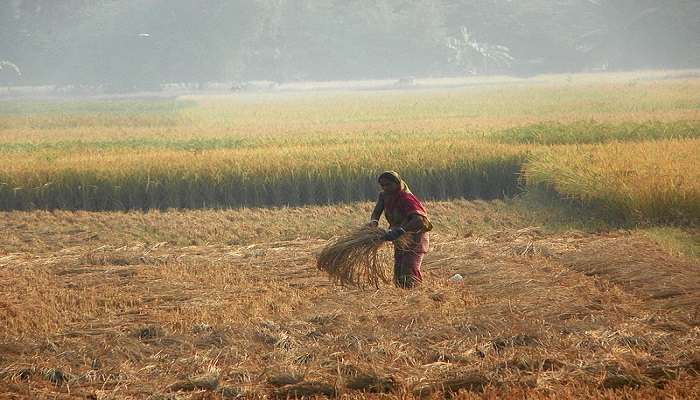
[(415, 223), (378, 210)]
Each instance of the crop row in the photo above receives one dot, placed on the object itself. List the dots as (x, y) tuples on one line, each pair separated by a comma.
[(547, 133), (655, 181), (251, 177), (646, 182)]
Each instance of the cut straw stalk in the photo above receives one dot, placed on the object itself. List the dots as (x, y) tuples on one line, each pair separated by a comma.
[(357, 259)]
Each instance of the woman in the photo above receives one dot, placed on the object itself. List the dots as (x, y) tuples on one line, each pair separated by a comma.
[(406, 215)]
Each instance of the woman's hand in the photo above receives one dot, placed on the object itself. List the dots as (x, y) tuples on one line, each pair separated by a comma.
[(394, 233)]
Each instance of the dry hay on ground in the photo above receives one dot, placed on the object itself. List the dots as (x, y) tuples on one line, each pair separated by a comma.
[(304, 389), (641, 266), (356, 259), (215, 321), (371, 382)]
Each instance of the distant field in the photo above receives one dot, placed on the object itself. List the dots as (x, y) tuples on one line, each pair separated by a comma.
[(307, 148)]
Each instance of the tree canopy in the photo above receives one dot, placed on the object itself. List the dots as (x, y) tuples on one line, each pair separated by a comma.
[(144, 43)]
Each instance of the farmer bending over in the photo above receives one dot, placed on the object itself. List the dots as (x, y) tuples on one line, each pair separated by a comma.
[(406, 215)]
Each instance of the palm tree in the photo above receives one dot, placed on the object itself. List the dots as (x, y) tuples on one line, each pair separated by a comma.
[(9, 72), (477, 57)]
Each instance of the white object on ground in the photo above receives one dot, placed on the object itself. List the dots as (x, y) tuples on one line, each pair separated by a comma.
[(456, 278)]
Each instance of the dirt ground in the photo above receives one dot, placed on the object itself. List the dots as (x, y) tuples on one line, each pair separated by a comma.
[(228, 304)]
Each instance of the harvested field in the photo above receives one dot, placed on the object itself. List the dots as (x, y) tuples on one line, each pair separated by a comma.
[(167, 305), (640, 266)]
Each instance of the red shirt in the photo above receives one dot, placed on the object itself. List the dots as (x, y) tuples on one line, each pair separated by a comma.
[(398, 208)]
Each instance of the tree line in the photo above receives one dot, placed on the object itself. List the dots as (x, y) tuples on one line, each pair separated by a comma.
[(130, 44)]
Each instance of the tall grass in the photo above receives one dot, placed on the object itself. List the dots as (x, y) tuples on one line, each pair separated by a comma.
[(582, 132), (267, 176), (302, 148), (643, 182)]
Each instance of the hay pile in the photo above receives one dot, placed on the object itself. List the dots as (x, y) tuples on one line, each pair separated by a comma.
[(641, 266), (357, 259)]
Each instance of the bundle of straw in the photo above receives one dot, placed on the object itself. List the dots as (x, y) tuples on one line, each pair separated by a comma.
[(356, 259)]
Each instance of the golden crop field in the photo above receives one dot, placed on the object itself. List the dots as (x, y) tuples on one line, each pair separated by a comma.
[(650, 180), (318, 148), (165, 248)]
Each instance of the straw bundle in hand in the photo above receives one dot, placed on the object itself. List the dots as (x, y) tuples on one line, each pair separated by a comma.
[(356, 259)]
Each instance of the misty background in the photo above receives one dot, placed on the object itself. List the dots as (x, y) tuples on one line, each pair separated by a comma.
[(142, 44)]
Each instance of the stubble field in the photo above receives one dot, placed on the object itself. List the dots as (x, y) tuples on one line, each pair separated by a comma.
[(220, 304), (593, 296)]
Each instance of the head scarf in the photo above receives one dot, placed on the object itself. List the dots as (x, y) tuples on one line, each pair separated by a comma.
[(394, 176), (400, 206)]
